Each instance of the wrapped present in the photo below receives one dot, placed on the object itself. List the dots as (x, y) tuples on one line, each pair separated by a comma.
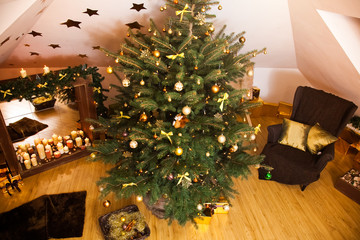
[(205, 216), (222, 206)]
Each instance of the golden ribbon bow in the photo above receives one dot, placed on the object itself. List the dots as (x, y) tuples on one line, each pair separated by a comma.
[(183, 176), (182, 12), (167, 135), (173, 57), (98, 89), (222, 100), (42, 85), (257, 129), (128, 184), (7, 92), (62, 76), (122, 115)]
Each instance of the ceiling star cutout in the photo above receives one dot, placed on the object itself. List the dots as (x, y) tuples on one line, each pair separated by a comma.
[(71, 23), (27, 45), (41, 11), (3, 42), (83, 55), (17, 38), (91, 12), (96, 47), (35, 33), (134, 25), (34, 54), (138, 7), (54, 46)]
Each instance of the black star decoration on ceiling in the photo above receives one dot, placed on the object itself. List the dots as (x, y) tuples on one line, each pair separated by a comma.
[(3, 42), (34, 53), (54, 45), (96, 47), (138, 7), (27, 45), (35, 33), (83, 55), (71, 23), (134, 25), (91, 12)]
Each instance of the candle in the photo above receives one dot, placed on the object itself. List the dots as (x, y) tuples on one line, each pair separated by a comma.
[(60, 139), (82, 147), (48, 147), (69, 143), (55, 138), (26, 156), (23, 73), (66, 149), (66, 138), (30, 150), (60, 147), (27, 145), (20, 158), (37, 141), (87, 142), (44, 142), (23, 148), (48, 154), (50, 141), (33, 155), (27, 164), (78, 141), (46, 69), (57, 154), (41, 150), (81, 133), (34, 162), (73, 135)]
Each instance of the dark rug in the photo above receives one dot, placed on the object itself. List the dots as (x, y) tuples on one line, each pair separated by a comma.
[(49, 216), (24, 128)]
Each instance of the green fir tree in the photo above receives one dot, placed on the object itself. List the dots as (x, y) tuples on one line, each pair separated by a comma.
[(175, 134)]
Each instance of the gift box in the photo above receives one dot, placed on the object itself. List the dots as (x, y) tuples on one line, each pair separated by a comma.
[(205, 216), (220, 207)]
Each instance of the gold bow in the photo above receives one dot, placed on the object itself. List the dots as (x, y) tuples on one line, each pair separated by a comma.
[(97, 89), (7, 92), (183, 176), (122, 115), (222, 100), (182, 12), (167, 135), (128, 184), (42, 85), (257, 129), (173, 57), (62, 76)]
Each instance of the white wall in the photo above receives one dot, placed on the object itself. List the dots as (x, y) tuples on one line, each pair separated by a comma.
[(278, 84)]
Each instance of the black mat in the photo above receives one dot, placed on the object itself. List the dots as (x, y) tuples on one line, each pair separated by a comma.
[(49, 216), (24, 128)]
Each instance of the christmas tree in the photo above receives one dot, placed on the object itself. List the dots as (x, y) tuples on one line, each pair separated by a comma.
[(175, 133)]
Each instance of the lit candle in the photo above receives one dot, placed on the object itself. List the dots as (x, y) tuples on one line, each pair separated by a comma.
[(78, 141), (30, 150), (87, 142), (23, 147), (41, 151), (27, 145), (81, 133), (48, 154), (23, 73), (48, 147), (69, 143), (73, 135), (55, 139), (66, 149), (60, 147), (50, 141), (27, 164), (26, 156), (33, 155), (57, 154), (66, 138), (44, 142), (37, 141), (46, 69), (60, 139), (34, 162)]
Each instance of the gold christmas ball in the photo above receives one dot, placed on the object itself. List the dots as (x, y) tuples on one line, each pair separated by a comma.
[(126, 82), (220, 7), (142, 82), (136, 96), (133, 144), (164, 29), (157, 63), (242, 40), (196, 67), (149, 30), (143, 117), (186, 110), (227, 51), (93, 155), (170, 31), (109, 69), (128, 34), (139, 198), (117, 60), (106, 203), (211, 28), (121, 53), (179, 86), (179, 33), (123, 219), (207, 154), (169, 99), (161, 9), (199, 207), (221, 138), (178, 151), (215, 88), (155, 136), (207, 33), (203, 9), (156, 53)]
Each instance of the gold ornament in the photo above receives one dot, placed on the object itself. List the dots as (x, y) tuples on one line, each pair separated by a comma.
[(227, 51), (199, 207), (164, 29), (126, 82), (143, 117), (93, 155), (176, 1), (178, 151), (220, 7), (142, 82), (109, 69), (196, 68), (186, 110), (164, 89), (179, 86), (117, 60), (234, 148), (156, 53), (242, 40), (203, 9), (161, 9), (139, 198), (128, 34), (250, 73), (106, 203), (123, 219), (169, 99), (133, 144), (221, 138), (211, 28), (149, 30), (215, 88), (207, 154), (157, 63), (179, 33), (170, 31), (136, 96), (207, 33)]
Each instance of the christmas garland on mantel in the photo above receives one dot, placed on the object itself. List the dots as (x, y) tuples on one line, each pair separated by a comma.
[(58, 84)]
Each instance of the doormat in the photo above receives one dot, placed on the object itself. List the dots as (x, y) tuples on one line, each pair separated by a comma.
[(49, 216)]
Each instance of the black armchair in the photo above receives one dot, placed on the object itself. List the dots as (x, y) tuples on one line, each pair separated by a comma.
[(310, 106)]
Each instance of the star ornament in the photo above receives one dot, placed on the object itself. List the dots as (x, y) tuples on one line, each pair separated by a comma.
[(34, 54), (3, 42), (35, 33), (91, 12), (138, 7), (54, 45), (71, 23), (134, 25), (83, 55)]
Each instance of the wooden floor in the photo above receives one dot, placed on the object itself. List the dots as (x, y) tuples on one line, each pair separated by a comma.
[(261, 210)]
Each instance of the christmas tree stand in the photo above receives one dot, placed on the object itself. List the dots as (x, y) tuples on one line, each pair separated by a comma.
[(158, 208)]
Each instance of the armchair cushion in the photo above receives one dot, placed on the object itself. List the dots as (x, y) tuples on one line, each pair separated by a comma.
[(294, 134), (318, 138)]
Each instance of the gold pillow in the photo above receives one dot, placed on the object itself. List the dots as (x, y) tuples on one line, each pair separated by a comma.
[(294, 134), (318, 138)]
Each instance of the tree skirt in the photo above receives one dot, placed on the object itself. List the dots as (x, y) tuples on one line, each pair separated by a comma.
[(24, 128), (49, 216)]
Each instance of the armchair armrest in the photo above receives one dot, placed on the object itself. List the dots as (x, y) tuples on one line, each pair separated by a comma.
[(274, 132), (326, 155)]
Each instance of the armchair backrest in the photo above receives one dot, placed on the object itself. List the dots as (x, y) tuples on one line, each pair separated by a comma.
[(313, 106)]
